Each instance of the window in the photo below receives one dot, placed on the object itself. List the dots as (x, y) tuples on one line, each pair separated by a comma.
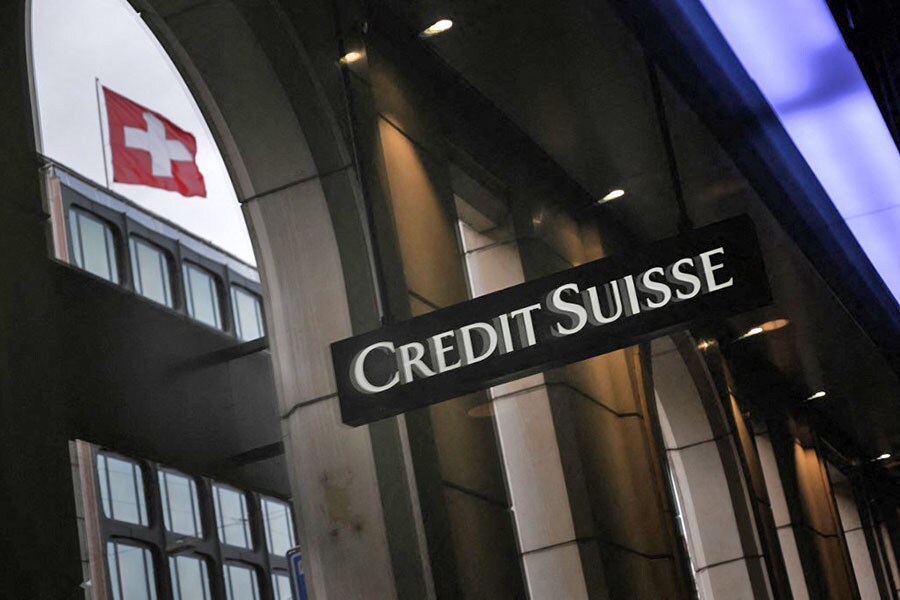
[(93, 245), (122, 489), (202, 295), (180, 506), (240, 582), (248, 323), (277, 520), (190, 578), (281, 586), (151, 272), (231, 516), (131, 575)]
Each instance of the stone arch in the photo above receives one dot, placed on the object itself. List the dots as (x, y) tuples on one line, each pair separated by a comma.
[(270, 102), (715, 499)]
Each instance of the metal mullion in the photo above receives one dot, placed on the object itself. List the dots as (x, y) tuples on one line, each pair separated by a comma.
[(134, 249), (80, 238), (118, 567), (195, 515), (137, 494), (189, 289), (149, 572), (112, 504), (176, 579)]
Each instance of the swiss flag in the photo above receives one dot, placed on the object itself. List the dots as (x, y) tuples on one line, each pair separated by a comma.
[(149, 149)]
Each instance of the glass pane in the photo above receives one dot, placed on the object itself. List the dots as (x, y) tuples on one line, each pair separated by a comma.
[(131, 573), (190, 578), (121, 489), (231, 516), (181, 510), (279, 528), (240, 583), (247, 314), (151, 272), (281, 586), (202, 297), (93, 246)]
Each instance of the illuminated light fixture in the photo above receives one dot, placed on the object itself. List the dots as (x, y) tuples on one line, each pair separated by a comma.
[(436, 28), (884, 456), (611, 196), (351, 57), (704, 344), (827, 109), (816, 396), (752, 332), (765, 328)]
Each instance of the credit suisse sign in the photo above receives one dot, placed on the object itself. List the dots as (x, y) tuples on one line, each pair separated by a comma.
[(611, 303)]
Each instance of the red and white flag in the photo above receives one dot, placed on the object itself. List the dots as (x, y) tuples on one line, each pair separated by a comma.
[(149, 149)]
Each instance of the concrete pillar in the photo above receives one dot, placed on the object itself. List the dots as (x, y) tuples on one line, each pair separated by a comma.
[(606, 433), (459, 473), (855, 534), (781, 516), (548, 545), (331, 466), (807, 511), (702, 448), (270, 101)]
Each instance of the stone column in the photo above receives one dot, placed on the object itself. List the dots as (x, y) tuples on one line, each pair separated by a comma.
[(808, 525), (702, 447), (548, 545)]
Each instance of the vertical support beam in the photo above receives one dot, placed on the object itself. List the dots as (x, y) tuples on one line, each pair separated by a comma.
[(549, 548), (332, 468)]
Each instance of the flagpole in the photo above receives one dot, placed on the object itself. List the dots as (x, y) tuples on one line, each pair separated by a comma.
[(102, 136)]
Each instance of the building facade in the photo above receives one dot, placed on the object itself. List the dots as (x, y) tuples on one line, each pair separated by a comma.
[(386, 174)]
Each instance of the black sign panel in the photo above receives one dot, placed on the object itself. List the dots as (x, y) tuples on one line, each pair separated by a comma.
[(595, 308)]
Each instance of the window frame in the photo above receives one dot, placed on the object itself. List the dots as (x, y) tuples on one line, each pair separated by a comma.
[(234, 288), (164, 544), (142, 492), (218, 284), (74, 212), (153, 576), (167, 257), (165, 503)]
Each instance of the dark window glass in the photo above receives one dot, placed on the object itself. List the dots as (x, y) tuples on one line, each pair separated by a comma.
[(232, 520), (151, 272), (279, 527), (202, 296), (241, 582), (248, 323), (93, 245), (190, 578), (180, 505), (121, 489), (131, 574)]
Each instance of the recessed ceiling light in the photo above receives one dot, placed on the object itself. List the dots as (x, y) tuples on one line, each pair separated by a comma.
[(765, 328), (752, 332), (436, 28), (612, 195), (816, 396), (884, 456), (351, 57)]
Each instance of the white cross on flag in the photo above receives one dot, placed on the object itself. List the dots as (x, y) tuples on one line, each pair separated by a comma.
[(149, 149)]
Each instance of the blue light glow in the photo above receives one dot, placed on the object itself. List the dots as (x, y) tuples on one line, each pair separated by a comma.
[(795, 53)]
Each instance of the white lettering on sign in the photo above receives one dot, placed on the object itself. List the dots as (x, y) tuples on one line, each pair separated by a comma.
[(574, 309)]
